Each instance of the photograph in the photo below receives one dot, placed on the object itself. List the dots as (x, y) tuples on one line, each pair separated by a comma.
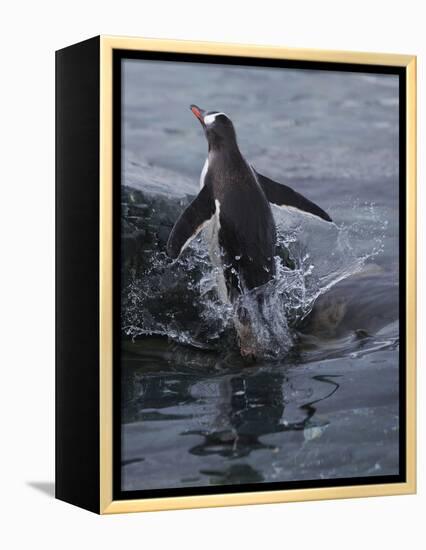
[(259, 268), (213, 302)]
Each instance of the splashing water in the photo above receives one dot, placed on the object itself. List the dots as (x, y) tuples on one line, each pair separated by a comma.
[(180, 300)]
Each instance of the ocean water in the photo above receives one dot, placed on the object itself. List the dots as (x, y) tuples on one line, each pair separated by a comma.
[(321, 401)]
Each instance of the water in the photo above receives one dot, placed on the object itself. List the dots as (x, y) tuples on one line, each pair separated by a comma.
[(321, 401)]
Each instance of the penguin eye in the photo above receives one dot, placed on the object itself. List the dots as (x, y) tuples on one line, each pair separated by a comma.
[(214, 118)]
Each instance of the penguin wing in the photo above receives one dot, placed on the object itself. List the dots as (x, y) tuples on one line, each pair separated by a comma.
[(196, 215), (282, 195)]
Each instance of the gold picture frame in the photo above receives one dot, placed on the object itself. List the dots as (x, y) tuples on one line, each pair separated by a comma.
[(107, 46)]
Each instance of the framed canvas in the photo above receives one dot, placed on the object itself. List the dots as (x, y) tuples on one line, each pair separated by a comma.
[(235, 274)]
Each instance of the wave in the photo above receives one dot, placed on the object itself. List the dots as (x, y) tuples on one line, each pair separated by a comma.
[(178, 299)]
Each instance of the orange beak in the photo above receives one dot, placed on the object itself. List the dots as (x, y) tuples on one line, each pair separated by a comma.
[(199, 113)]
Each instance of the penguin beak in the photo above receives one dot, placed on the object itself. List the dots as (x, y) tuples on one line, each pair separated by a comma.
[(199, 113)]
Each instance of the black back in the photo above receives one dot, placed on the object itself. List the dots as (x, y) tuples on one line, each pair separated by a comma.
[(247, 233)]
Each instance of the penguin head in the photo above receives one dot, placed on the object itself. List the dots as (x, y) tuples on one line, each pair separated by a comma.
[(217, 127)]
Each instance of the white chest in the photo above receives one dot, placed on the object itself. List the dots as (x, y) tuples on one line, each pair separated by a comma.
[(212, 237), (204, 173)]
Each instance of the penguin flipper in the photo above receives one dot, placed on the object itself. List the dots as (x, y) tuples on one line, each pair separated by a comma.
[(282, 195), (191, 222)]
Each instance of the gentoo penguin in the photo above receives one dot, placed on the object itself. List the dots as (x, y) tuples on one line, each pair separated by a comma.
[(236, 199)]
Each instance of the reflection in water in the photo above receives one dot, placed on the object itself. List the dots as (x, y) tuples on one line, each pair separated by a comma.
[(221, 424), (250, 407), (247, 408)]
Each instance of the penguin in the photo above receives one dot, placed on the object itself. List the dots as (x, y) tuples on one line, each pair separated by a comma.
[(235, 202)]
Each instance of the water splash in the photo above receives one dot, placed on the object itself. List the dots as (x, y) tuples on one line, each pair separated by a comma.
[(179, 299)]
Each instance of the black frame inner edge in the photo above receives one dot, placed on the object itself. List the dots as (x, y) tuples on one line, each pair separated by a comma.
[(118, 56)]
